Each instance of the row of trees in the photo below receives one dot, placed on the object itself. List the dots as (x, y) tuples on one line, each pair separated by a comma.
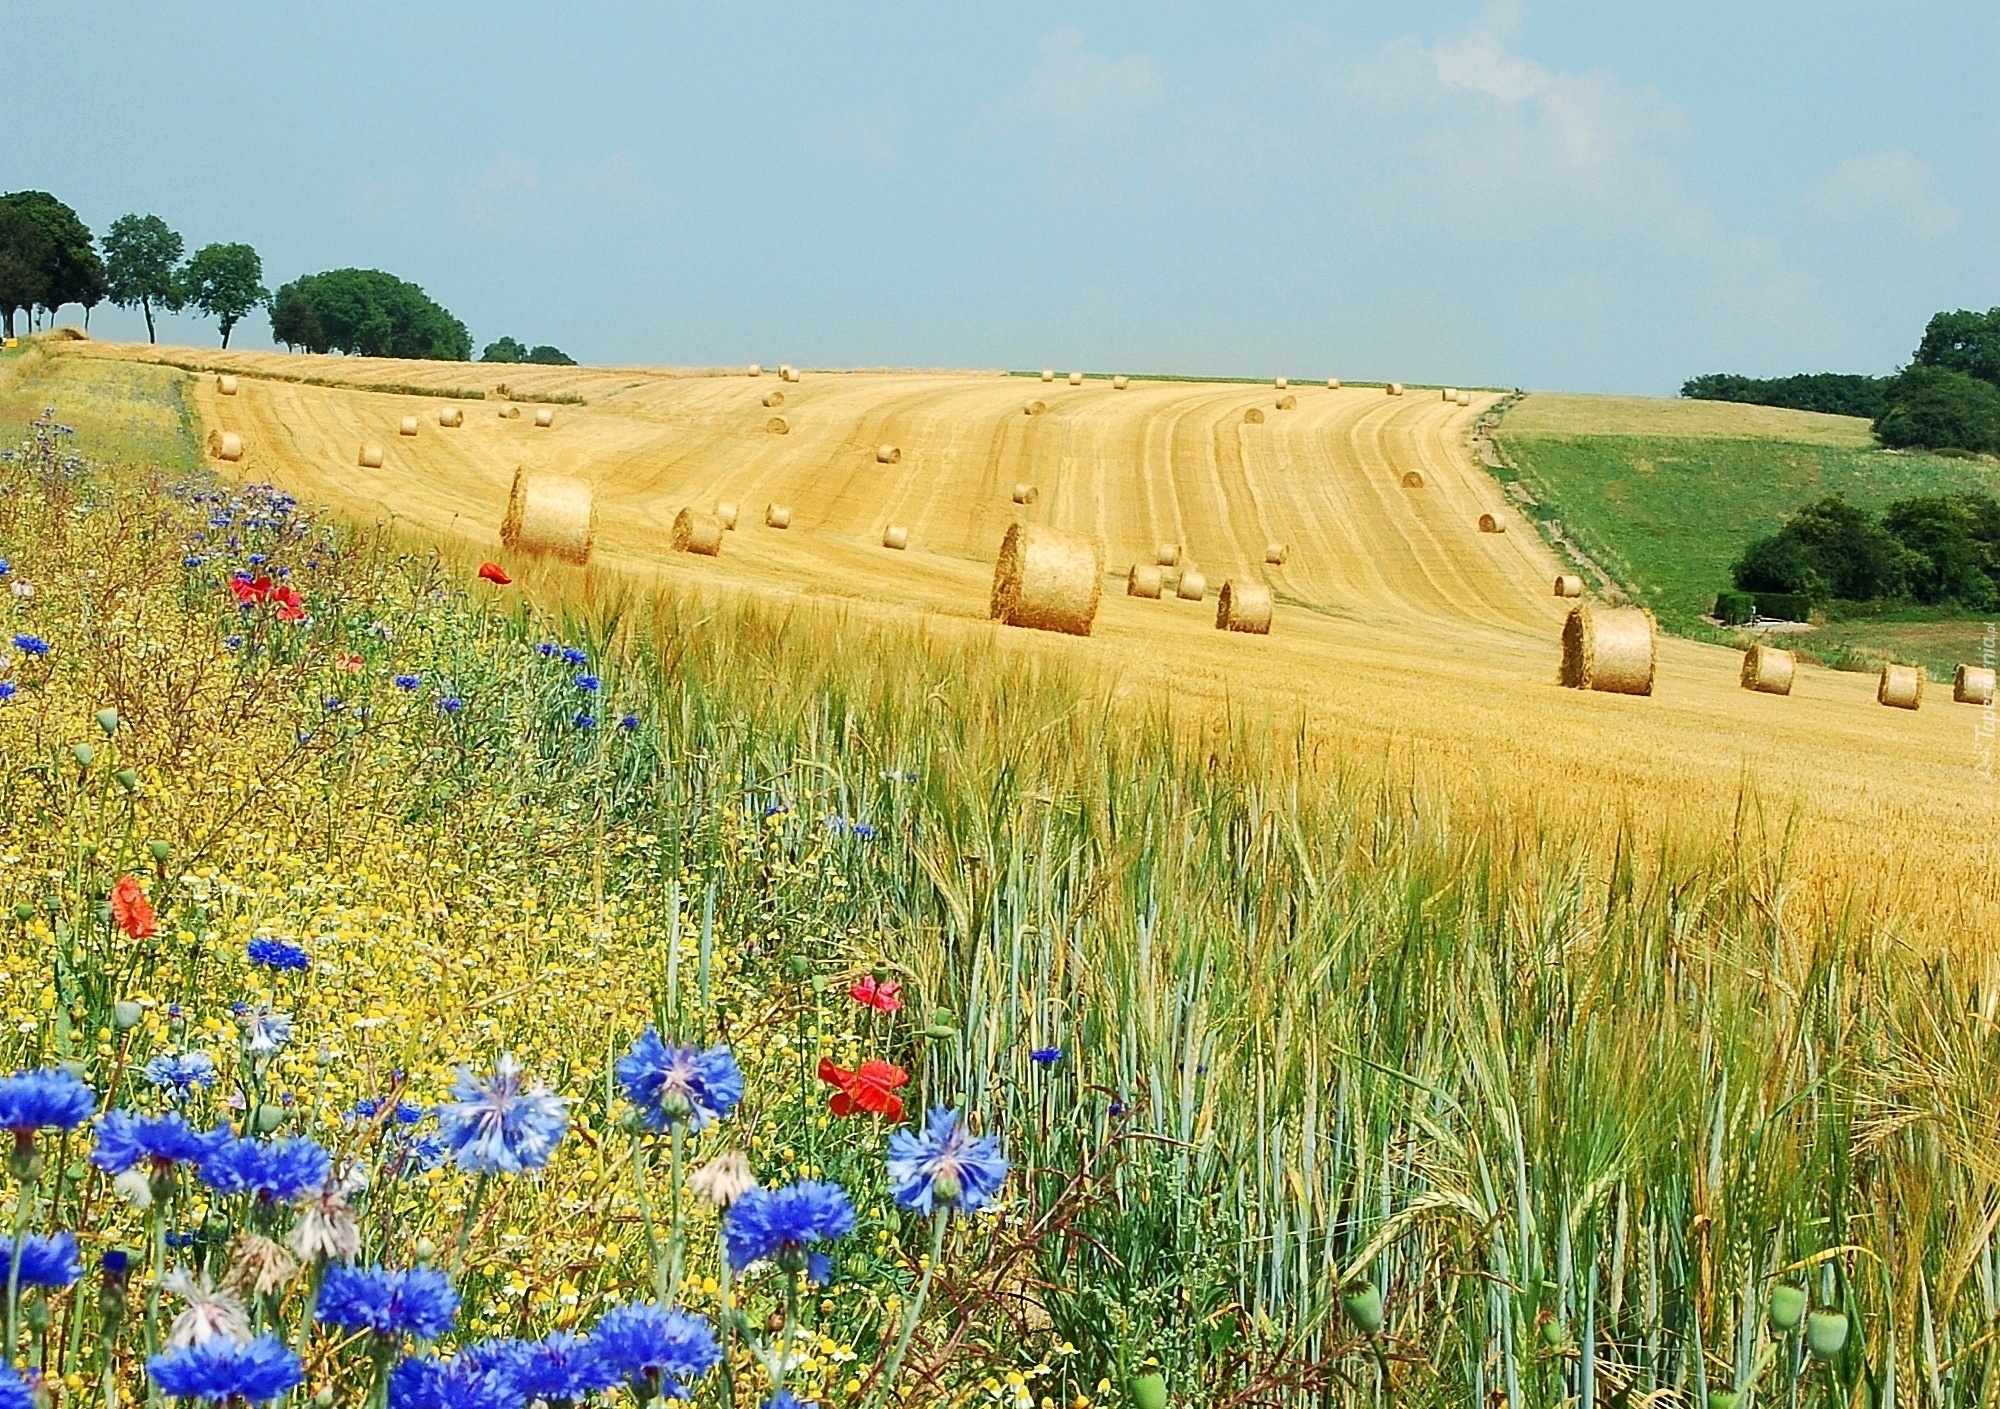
[(1936, 549)]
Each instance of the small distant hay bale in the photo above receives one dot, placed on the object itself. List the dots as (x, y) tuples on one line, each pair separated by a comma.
[(1333, 384), (896, 536), (407, 426), (545, 416), (1048, 375), (790, 374), (371, 455), (225, 384), (1076, 379), (1450, 393), (1610, 649), (1025, 493), (1119, 383), (451, 417), (725, 513), (1145, 580), (775, 398), (1288, 402), (67, 333), (1464, 398), (778, 516), (1568, 584), (888, 455), (1900, 687), (551, 515), (1192, 587), (777, 425), (1169, 555), (225, 445), (1972, 684), (1047, 580), (1277, 554), (1412, 480), (756, 369), (1768, 670), (1254, 416), (1243, 606), (1280, 383), (1394, 388), (1034, 408), (696, 532), (1488, 523), (510, 413)]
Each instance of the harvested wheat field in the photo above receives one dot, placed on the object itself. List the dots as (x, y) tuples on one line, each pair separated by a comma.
[(1400, 633)]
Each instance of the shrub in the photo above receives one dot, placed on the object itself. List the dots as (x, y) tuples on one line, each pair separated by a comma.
[(1784, 606), (1733, 608), (1837, 393), (1937, 408)]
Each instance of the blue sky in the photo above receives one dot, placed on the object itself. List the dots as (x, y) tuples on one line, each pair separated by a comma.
[(1600, 197)]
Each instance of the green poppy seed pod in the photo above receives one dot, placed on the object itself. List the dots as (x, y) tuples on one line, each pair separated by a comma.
[(269, 1118), (1826, 1333), (24, 911), (1363, 1303), (107, 720), (128, 779), (819, 983), (83, 754), (1552, 1332), (1724, 1398), (1787, 1307), (125, 1015), (798, 966), (161, 851), (940, 1033), (1149, 1391)]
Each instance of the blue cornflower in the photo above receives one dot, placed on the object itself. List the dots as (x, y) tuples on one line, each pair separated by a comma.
[(14, 1391), (277, 1171), (276, 954), (334, 704), (47, 1098), (179, 1073), (256, 559), (367, 1108), (30, 645), (222, 1372), (547, 649), (407, 682), (501, 1126), (265, 1032), (861, 831), (46, 1261), (670, 1083), (463, 1382), (945, 1165), (450, 704), (193, 560), (234, 643), (655, 1350), (561, 1367), (787, 1224), (5, 567), (628, 722), (1046, 1056), (588, 682), (585, 720), (124, 1140), (177, 1240), (574, 655), (418, 1302), (7, 688)]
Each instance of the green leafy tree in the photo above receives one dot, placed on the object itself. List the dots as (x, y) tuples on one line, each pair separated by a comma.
[(48, 257), (24, 261), (225, 282), (1837, 393), (142, 266), (1963, 341), (546, 356), (504, 350), (1949, 561), (366, 313), (1830, 548), (1937, 408)]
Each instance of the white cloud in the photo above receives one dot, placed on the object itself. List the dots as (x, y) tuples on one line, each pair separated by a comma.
[(1893, 185), (1072, 85)]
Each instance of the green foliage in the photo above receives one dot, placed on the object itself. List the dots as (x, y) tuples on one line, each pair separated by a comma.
[(509, 350), (1939, 408), (366, 313), (1963, 342), (1734, 608), (225, 282), (141, 266), (1784, 606), (1837, 393), (48, 256), (1938, 549)]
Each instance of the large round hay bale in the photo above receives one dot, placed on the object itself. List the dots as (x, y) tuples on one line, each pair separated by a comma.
[(1047, 580), (1145, 580), (1243, 606), (371, 455), (1280, 383), (1610, 649), (1048, 375), (551, 515), (1394, 388), (788, 373), (1490, 523), (1568, 584), (1768, 670), (1076, 379), (778, 516), (777, 425), (725, 513), (756, 369), (696, 532), (775, 398), (896, 536), (225, 384), (1288, 402), (1450, 393), (1972, 684), (1034, 408), (1277, 554), (407, 426), (1119, 383), (888, 455), (1254, 416), (225, 445), (1900, 686), (1025, 493), (1192, 587), (451, 417), (1464, 398), (545, 416), (1412, 480), (1333, 384), (1169, 555)]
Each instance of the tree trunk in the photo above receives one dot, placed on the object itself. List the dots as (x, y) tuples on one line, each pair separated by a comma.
[(227, 324), (148, 309)]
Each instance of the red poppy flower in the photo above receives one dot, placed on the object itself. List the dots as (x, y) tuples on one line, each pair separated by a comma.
[(885, 996), (131, 911), (871, 1088), (290, 608), (250, 589), (348, 662), (495, 574)]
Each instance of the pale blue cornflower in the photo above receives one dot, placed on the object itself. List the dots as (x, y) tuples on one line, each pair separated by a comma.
[(501, 1125)]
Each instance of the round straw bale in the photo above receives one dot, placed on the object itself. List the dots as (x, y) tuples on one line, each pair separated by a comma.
[(1568, 584), (554, 515), (725, 513), (1034, 408), (777, 425), (1412, 480), (510, 413), (756, 370), (371, 455), (895, 536), (1254, 416), (407, 426), (1464, 398), (1243, 606), (1280, 383), (1170, 554), (1119, 383), (1394, 388), (1900, 686), (775, 398), (1450, 393), (1489, 524), (225, 384), (1768, 670), (1047, 579), (451, 417), (1610, 648), (1972, 684), (696, 532), (778, 516), (1145, 580), (1333, 384), (225, 445), (545, 416), (1076, 379), (1277, 554), (1192, 587), (888, 455), (1047, 375), (1288, 402), (1025, 493)]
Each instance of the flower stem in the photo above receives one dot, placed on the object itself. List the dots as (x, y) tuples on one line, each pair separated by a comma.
[(29, 1170), (723, 1299), (784, 1361), (465, 1228), (646, 1215), (895, 1361), (675, 1245)]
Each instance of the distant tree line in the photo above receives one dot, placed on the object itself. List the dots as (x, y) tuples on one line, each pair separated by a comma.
[(1948, 398), (366, 313), (1935, 549), (508, 350)]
